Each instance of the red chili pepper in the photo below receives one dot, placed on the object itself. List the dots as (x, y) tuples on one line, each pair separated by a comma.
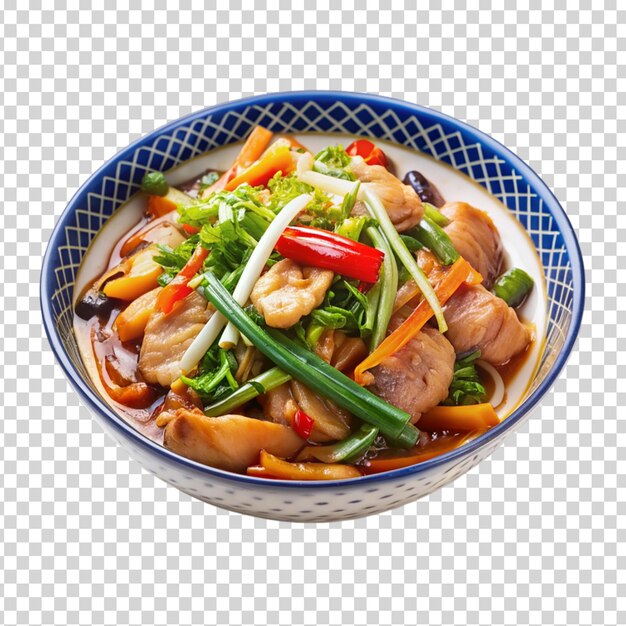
[(303, 424), (320, 248), (177, 289), (370, 153)]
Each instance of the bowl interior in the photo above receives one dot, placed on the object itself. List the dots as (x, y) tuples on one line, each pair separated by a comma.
[(467, 150)]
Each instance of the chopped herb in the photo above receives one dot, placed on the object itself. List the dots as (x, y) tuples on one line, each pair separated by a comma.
[(207, 180), (333, 161), (215, 375), (155, 184), (466, 386)]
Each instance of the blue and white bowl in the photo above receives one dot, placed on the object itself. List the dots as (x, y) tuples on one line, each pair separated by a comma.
[(464, 148)]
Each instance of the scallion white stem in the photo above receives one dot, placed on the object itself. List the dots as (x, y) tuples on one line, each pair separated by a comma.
[(376, 208), (251, 273), (258, 259), (329, 184)]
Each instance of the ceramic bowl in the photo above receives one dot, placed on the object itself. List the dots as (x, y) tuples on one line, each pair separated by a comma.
[(453, 142)]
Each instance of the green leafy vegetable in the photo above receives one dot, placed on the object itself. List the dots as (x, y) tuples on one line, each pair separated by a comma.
[(259, 385), (202, 212), (332, 161), (345, 308), (348, 450), (216, 374), (207, 180), (231, 245), (155, 184), (466, 386), (173, 260)]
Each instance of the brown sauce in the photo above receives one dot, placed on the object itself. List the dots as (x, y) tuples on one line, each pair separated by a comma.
[(141, 418)]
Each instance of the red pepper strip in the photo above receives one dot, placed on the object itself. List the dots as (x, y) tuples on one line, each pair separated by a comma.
[(177, 289), (320, 248), (192, 230), (370, 153), (303, 424)]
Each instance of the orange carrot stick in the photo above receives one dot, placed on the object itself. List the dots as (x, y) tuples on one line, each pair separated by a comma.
[(275, 160), (458, 273), (256, 143), (459, 418), (431, 450), (271, 466)]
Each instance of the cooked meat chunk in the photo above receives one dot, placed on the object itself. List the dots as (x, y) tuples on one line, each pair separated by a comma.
[(478, 319), (278, 404), (288, 292), (229, 442), (330, 423), (401, 202), (167, 338), (476, 239), (417, 377)]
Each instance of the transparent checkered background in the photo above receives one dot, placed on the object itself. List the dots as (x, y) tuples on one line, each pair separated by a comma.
[(535, 535)]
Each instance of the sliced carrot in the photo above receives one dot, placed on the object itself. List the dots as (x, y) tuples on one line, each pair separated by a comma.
[(451, 279), (459, 418), (161, 205), (441, 445), (141, 277), (275, 160), (131, 322), (256, 143), (271, 466), (259, 472)]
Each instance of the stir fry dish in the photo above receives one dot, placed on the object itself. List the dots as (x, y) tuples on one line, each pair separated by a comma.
[(306, 316)]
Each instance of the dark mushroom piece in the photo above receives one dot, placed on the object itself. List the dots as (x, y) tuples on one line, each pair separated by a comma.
[(95, 303), (426, 191)]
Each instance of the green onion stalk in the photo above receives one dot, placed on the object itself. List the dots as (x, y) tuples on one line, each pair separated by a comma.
[(311, 370)]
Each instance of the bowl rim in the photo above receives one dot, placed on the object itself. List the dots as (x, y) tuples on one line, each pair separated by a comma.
[(97, 404)]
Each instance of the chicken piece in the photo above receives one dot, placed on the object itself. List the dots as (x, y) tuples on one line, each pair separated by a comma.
[(167, 337), (476, 239), (401, 202), (288, 292), (229, 442), (478, 319), (417, 377)]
